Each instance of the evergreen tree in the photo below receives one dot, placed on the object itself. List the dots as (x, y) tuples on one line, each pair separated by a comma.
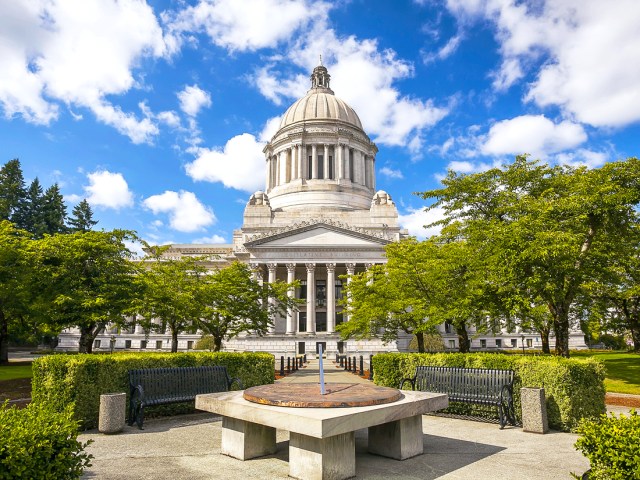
[(12, 192), (82, 217), (54, 211), (33, 220)]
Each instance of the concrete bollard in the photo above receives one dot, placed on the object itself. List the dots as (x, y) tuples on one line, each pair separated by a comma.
[(534, 410), (112, 412)]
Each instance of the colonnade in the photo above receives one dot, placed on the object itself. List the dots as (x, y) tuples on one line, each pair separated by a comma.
[(320, 161), (311, 306)]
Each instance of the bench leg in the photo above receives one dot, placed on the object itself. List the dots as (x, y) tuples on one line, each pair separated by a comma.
[(245, 440), (400, 439), (331, 458)]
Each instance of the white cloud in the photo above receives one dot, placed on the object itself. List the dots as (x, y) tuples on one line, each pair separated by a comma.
[(240, 164), (415, 220), (534, 134), (446, 51), (192, 99), (186, 213), (391, 173), (249, 24), (583, 157), (269, 130), (211, 239), (76, 54), (108, 190), (587, 50)]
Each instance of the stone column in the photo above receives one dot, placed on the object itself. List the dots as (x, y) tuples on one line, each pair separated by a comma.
[(338, 149), (373, 173), (300, 158), (311, 298), (283, 167), (272, 278), (267, 183), (294, 163), (139, 329), (314, 162), (358, 167), (291, 276), (326, 161), (347, 163), (331, 297)]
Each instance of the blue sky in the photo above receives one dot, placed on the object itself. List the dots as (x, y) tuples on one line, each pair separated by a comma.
[(157, 111)]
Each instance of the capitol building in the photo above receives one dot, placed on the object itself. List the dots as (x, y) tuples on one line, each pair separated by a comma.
[(318, 220)]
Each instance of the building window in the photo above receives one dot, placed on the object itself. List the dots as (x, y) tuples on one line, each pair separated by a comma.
[(143, 344), (529, 343), (339, 318), (321, 293), (190, 345), (310, 167), (96, 344), (452, 344), (321, 322), (483, 343), (351, 165), (514, 342), (448, 328), (158, 344), (127, 344), (331, 174), (303, 290), (339, 289), (498, 343), (302, 321), (320, 166)]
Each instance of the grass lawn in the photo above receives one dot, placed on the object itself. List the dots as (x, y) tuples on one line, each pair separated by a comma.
[(15, 370), (623, 370)]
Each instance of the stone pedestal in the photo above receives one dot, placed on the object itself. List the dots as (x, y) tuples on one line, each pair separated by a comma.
[(246, 440), (534, 410), (401, 439), (112, 412), (331, 458)]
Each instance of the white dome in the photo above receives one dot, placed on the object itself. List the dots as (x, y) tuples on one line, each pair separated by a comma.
[(320, 104)]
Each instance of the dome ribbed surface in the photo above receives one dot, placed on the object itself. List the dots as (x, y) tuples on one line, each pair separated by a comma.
[(319, 104)]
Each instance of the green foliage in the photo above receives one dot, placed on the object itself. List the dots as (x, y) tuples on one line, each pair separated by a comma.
[(82, 217), (77, 381), (12, 192), (623, 370), (206, 342), (612, 445), (614, 342), (39, 443), (54, 211), (574, 388), (432, 343)]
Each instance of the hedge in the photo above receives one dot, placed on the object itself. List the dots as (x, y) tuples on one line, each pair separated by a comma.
[(574, 388), (77, 381), (38, 443), (612, 445)]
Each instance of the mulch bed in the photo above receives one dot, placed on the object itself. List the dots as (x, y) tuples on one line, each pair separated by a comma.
[(623, 400)]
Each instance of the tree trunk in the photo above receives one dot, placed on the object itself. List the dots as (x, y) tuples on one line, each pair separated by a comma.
[(217, 343), (560, 316), (420, 339), (464, 344), (174, 340), (544, 337), (4, 338), (85, 344)]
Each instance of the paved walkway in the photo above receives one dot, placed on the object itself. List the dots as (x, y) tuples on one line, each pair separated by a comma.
[(188, 446), (332, 374)]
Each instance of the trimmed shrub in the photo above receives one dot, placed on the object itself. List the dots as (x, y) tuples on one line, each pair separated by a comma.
[(77, 381), (612, 446), (38, 443), (574, 388)]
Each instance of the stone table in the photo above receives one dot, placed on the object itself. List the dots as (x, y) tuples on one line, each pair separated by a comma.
[(322, 440)]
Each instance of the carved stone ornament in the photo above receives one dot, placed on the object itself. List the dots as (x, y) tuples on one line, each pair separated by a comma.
[(321, 221)]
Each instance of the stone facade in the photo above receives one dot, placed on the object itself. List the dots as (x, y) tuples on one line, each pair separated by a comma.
[(318, 220)]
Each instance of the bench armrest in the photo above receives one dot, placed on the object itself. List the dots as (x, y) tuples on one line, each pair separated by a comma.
[(412, 381), (235, 380)]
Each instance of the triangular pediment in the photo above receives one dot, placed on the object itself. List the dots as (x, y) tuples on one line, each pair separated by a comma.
[(318, 235)]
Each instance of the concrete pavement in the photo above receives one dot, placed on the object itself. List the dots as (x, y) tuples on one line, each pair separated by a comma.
[(188, 446)]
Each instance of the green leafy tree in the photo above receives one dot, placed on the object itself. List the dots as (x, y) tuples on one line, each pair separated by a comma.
[(16, 271), (423, 284), (87, 280), (234, 302), (82, 217), (54, 211), (12, 192), (170, 292), (33, 219), (543, 230)]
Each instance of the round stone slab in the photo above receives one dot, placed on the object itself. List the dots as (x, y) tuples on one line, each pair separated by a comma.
[(307, 395)]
